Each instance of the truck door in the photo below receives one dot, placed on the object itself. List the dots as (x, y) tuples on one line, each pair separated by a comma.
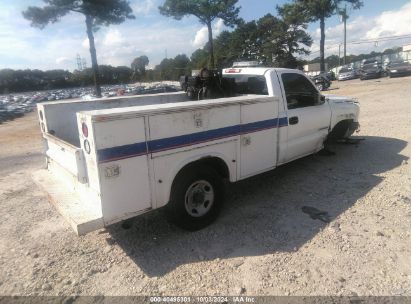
[(308, 115)]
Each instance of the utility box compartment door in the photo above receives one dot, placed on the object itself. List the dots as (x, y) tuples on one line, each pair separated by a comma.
[(178, 131), (123, 168), (259, 128)]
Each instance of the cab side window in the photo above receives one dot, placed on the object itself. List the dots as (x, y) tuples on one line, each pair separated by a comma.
[(299, 91)]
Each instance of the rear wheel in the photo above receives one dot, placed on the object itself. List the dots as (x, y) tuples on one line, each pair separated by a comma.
[(196, 198)]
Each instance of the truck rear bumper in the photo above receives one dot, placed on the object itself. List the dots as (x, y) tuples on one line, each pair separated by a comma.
[(82, 216)]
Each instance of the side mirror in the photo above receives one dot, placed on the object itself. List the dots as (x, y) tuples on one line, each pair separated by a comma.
[(321, 99)]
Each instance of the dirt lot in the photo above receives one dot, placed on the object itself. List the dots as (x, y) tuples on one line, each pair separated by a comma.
[(263, 244)]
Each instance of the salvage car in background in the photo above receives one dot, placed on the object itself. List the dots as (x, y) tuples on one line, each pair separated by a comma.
[(346, 74), (399, 68), (321, 81), (370, 69)]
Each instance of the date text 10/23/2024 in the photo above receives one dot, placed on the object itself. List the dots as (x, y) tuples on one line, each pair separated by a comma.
[(234, 299)]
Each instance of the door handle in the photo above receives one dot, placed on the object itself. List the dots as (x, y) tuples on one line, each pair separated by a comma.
[(293, 120)]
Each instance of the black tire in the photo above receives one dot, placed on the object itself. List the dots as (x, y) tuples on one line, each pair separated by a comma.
[(177, 209)]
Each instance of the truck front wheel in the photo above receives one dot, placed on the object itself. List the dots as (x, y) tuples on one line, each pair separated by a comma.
[(196, 198)]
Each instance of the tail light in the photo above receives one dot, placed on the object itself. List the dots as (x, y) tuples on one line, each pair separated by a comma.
[(232, 71), (84, 128)]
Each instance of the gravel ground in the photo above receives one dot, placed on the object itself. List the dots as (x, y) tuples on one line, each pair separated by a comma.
[(263, 243)]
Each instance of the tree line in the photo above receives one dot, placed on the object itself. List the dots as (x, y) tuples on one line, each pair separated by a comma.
[(12, 81), (169, 69)]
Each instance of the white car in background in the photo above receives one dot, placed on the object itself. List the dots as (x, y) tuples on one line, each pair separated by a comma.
[(346, 74)]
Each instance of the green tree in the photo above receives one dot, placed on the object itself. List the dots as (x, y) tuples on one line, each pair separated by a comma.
[(206, 11), (245, 42), (319, 10), (294, 35), (271, 32), (224, 53), (122, 74), (199, 59), (181, 64), (333, 61), (139, 66), (271, 40), (173, 68), (96, 12), (165, 69)]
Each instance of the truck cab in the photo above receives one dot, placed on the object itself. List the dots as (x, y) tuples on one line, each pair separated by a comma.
[(308, 115)]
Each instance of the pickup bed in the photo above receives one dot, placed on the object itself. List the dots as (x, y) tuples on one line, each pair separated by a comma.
[(112, 159)]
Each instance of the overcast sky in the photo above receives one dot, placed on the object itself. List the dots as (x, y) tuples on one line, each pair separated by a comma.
[(56, 46)]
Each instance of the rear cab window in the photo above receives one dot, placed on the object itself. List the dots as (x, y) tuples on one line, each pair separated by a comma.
[(243, 84)]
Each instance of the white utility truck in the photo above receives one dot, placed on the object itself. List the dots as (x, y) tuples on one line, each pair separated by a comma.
[(109, 160)]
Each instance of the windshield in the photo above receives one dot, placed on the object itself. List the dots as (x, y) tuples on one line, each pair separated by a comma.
[(371, 65), (345, 70), (248, 84), (369, 62), (399, 62)]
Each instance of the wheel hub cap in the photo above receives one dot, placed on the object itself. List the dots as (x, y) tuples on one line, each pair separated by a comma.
[(199, 198)]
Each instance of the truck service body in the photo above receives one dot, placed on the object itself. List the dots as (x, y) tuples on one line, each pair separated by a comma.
[(112, 159)]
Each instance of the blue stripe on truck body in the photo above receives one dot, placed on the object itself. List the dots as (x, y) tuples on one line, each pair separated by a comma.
[(158, 145)]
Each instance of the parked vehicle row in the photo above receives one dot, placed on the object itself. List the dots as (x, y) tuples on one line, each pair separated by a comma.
[(373, 69), (16, 105)]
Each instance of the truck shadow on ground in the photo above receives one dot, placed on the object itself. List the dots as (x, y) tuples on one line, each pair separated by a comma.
[(263, 215)]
